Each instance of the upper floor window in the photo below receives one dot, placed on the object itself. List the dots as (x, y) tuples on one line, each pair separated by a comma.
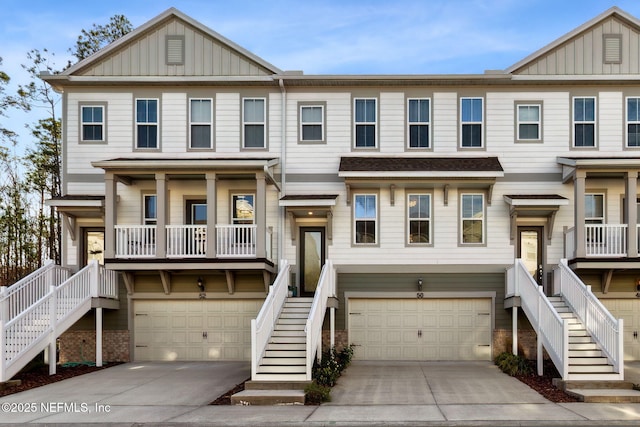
[(633, 122), (419, 212), (365, 122), (254, 122), (584, 122), (149, 209), (147, 123), (471, 118), (200, 123), (594, 208), (92, 122), (418, 117), (529, 122), (312, 123), (472, 218), (365, 218), (243, 208)]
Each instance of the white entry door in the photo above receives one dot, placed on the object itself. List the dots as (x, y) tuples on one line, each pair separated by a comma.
[(193, 329), (420, 329)]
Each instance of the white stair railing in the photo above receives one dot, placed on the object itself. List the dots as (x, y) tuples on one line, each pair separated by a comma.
[(262, 326), (25, 292), (326, 288), (598, 321), (26, 334), (549, 326)]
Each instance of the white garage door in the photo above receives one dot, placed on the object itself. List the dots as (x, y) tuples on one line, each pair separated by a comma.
[(629, 311), (194, 330), (420, 329)]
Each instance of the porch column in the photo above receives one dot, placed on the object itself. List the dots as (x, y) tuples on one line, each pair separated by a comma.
[(99, 336), (110, 197), (631, 197), (211, 214), (579, 189), (261, 215), (161, 210), (514, 330)]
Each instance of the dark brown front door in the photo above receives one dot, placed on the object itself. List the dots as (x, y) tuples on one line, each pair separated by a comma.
[(311, 258), (530, 243)]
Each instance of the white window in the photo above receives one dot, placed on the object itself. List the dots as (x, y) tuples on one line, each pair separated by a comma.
[(594, 208), (311, 123), (418, 117), (365, 218), (146, 123), (529, 122), (633, 122), (472, 218), (150, 211), (471, 122), (200, 123), (584, 122), (419, 218), (254, 123), (365, 113), (92, 122)]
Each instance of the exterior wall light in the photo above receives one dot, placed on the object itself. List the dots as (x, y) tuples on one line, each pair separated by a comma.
[(420, 284)]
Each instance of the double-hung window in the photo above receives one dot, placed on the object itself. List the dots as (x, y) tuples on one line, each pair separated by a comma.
[(419, 217), (529, 122), (365, 122), (472, 218), (594, 208), (149, 209), (243, 217), (365, 218), (200, 123), (92, 122), (311, 123), (254, 122), (584, 122), (633, 122), (472, 119), (418, 115), (146, 123)]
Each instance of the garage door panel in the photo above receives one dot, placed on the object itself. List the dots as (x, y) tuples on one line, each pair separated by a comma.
[(629, 311), (430, 329)]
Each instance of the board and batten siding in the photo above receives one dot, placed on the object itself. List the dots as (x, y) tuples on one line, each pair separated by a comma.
[(455, 284)]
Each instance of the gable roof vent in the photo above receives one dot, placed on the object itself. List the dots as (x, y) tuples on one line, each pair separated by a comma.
[(612, 48), (175, 50)]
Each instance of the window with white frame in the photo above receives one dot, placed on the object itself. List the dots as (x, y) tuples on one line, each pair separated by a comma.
[(584, 122), (594, 208), (419, 218), (311, 123), (418, 117), (146, 123), (200, 123), (365, 218), (149, 209), (471, 122), (529, 122), (254, 122), (472, 217), (633, 122), (92, 117), (365, 113)]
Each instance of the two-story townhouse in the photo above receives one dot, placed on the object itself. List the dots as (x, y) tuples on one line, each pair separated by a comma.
[(197, 169)]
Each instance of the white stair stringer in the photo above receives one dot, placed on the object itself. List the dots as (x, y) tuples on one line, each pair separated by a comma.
[(284, 358), (586, 360)]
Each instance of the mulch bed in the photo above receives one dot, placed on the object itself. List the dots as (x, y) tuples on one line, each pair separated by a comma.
[(225, 399), (544, 384)]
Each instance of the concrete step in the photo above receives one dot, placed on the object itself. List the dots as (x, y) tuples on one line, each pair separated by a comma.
[(605, 395), (593, 384), (280, 377), (276, 385), (268, 397), (285, 353), (279, 369)]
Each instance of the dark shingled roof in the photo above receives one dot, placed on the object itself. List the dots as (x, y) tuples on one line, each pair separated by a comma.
[(536, 196), (420, 164), (310, 197)]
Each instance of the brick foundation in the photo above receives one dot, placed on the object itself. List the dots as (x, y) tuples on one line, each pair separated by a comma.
[(80, 346), (341, 339), (502, 341)]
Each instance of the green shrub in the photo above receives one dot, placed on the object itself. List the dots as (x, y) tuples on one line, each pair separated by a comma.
[(315, 394), (512, 364), (331, 365)]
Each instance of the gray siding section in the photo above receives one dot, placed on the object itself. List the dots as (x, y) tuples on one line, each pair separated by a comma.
[(583, 54), (431, 283), (203, 56)]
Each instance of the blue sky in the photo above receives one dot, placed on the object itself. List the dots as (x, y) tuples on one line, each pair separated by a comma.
[(323, 37)]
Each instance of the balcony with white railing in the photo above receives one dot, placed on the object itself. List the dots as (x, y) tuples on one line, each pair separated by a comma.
[(135, 241), (600, 241)]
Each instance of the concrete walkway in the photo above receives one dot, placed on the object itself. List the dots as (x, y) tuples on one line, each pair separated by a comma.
[(369, 393)]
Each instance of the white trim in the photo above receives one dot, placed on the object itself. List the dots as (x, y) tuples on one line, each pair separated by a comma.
[(538, 122), (263, 123), (428, 218), (366, 218), (209, 123), (418, 123), (137, 123), (320, 123), (574, 122), (102, 123), (471, 122), (357, 123)]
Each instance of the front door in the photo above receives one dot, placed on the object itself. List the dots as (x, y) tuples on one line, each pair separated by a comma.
[(93, 241), (530, 241), (311, 258)]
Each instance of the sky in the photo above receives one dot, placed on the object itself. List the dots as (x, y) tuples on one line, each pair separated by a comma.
[(318, 37)]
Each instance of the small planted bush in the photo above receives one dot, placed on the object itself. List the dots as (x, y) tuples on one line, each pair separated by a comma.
[(316, 394), (512, 364), (325, 374)]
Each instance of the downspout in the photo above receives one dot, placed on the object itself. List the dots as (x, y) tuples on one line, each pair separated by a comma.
[(283, 168)]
